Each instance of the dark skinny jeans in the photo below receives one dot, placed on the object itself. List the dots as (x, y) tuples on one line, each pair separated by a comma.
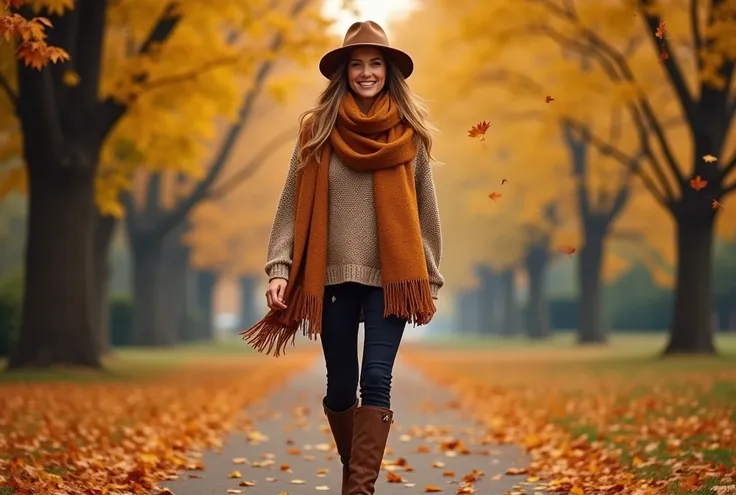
[(340, 321)]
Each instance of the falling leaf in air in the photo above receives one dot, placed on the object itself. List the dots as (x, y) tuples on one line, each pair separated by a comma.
[(568, 250), (70, 78), (503, 181), (661, 30), (716, 204), (432, 489), (494, 195), (549, 99), (479, 130), (698, 183), (235, 474), (709, 158)]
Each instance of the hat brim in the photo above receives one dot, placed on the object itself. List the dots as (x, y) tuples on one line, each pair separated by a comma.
[(331, 60)]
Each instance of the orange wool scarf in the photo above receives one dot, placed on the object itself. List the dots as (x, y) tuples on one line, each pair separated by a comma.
[(383, 144)]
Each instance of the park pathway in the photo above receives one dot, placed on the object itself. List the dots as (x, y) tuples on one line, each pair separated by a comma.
[(289, 441)]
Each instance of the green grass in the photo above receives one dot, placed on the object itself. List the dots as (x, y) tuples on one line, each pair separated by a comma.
[(624, 344), (133, 363)]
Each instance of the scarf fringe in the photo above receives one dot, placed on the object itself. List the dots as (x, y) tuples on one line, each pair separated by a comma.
[(410, 300), (277, 329)]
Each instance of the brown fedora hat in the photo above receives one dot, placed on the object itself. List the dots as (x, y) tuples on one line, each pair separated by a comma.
[(367, 33)]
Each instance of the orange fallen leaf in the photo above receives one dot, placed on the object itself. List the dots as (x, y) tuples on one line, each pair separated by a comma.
[(479, 130), (493, 195), (432, 489), (448, 474), (698, 183), (516, 471), (234, 474), (392, 477), (294, 451), (285, 467), (423, 449)]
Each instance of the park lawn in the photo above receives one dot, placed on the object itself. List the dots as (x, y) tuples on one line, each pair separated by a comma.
[(615, 417), (134, 424)]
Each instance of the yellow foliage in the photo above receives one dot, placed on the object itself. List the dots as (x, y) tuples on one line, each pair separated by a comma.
[(194, 80)]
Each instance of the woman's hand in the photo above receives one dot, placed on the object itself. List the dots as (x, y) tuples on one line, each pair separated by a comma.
[(275, 294)]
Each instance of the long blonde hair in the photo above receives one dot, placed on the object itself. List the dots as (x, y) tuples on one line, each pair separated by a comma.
[(317, 123)]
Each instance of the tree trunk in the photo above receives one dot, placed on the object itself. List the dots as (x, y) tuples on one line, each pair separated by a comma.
[(590, 268), (691, 329), (206, 281), (57, 325), (537, 314), (104, 231), (175, 276), (248, 285), (150, 323), (489, 295), (511, 322)]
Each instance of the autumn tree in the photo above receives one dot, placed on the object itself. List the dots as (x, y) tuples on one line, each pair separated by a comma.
[(71, 116), (692, 57)]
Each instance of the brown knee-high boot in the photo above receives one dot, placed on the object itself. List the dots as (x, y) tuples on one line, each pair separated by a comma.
[(370, 433), (341, 424)]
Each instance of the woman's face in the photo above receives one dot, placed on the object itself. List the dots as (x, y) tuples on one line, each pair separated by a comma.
[(366, 72)]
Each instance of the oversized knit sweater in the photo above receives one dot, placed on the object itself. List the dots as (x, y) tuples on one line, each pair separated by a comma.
[(352, 247)]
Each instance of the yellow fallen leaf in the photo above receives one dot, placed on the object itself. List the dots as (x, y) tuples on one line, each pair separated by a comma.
[(235, 474)]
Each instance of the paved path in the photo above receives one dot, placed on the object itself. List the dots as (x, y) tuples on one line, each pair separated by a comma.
[(289, 441)]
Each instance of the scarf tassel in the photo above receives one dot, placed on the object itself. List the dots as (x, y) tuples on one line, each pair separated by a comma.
[(410, 300), (277, 329)]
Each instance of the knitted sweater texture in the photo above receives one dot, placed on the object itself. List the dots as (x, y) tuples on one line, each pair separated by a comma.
[(352, 249)]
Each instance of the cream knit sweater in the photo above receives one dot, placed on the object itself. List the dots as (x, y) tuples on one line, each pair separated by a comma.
[(352, 248)]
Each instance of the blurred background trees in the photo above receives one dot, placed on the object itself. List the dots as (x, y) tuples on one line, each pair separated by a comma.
[(139, 178)]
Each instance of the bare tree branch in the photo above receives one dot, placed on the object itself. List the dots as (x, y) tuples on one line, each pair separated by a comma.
[(695, 28), (625, 159), (110, 110), (9, 91), (253, 165)]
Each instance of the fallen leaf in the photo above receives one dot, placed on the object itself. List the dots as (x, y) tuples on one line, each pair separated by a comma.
[(322, 488), (240, 460), (247, 483), (233, 490), (432, 489), (448, 474), (392, 477), (297, 482), (438, 464), (294, 451), (235, 474)]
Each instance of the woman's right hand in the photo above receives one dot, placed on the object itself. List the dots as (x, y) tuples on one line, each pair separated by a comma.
[(275, 294)]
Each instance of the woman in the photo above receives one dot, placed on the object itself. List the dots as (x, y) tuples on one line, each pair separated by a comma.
[(356, 238)]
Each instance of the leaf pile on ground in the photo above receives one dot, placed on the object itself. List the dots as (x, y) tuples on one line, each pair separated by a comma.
[(608, 427), (114, 437)]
